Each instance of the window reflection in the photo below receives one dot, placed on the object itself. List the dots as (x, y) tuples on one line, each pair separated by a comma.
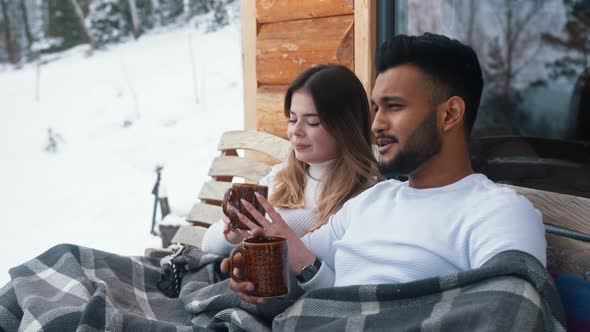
[(533, 125)]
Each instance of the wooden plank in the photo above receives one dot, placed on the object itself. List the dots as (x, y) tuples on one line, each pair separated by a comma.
[(269, 109), (249, 31), (365, 40), (255, 155), (214, 190), (271, 145), (288, 10), (204, 214), (252, 170), (567, 255), (571, 212), (191, 235), (284, 49)]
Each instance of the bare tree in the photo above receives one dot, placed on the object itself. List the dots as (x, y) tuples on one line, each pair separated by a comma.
[(135, 22), (468, 26), (510, 54), (473, 6), (518, 43), (83, 26), (26, 26), (8, 34), (421, 23)]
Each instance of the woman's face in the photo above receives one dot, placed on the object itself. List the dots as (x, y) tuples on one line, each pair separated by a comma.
[(311, 141)]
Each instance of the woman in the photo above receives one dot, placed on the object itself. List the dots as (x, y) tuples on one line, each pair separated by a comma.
[(331, 160), (71, 286)]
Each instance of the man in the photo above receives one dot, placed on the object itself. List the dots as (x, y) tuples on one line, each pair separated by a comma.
[(445, 218)]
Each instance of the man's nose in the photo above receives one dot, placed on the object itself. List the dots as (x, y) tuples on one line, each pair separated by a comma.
[(378, 124)]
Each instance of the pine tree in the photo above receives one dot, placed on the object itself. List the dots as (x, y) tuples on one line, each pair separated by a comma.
[(154, 15), (106, 21), (220, 17), (170, 10)]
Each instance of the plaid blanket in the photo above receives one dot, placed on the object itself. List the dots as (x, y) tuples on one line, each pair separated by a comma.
[(71, 288), (74, 288), (511, 292)]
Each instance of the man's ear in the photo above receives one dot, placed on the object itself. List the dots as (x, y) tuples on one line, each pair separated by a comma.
[(453, 111)]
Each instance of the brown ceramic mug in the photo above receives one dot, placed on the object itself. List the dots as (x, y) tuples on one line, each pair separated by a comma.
[(246, 192), (264, 263)]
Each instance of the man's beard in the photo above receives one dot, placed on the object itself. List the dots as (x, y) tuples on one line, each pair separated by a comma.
[(422, 145)]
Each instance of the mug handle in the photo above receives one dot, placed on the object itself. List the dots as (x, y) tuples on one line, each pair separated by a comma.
[(231, 262), (228, 195)]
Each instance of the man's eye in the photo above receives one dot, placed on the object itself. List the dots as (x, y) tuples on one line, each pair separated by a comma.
[(394, 106), (314, 124)]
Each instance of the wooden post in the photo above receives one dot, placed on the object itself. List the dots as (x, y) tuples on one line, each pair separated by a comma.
[(164, 204), (365, 38), (249, 32)]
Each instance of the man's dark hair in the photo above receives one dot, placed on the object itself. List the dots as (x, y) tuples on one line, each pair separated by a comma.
[(452, 67)]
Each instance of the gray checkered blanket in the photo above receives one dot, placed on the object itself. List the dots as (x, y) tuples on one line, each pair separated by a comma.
[(72, 288), (510, 292)]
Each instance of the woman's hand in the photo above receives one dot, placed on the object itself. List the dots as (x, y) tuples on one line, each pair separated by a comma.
[(232, 235), (299, 255)]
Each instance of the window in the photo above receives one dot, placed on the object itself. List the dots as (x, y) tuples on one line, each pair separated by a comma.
[(533, 125)]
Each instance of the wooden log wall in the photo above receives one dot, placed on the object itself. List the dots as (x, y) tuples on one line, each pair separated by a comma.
[(292, 35)]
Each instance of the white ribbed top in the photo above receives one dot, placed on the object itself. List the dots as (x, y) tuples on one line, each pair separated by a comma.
[(300, 220), (392, 233)]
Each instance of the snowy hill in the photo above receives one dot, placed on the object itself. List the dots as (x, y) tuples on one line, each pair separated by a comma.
[(78, 164)]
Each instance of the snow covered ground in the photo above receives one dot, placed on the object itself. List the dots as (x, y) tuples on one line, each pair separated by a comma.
[(114, 116)]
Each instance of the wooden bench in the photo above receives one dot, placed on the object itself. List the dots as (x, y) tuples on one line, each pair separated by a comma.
[(567, 224), (245, 156), (249, 155)]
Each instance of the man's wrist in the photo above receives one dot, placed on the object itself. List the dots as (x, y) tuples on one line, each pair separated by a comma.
[(309, 271)]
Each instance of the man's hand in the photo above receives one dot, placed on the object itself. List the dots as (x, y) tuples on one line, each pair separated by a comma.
[(299, 255), (242, 287)]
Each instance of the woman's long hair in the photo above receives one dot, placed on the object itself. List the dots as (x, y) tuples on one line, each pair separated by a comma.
[(343, 109)]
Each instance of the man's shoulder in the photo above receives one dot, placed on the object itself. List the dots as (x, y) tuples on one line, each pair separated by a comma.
[(386, 185), (490, 196), (488, 189), (376, 191)]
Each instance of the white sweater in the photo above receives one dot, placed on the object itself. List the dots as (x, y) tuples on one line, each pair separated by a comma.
[(393, 233), (300, 220)]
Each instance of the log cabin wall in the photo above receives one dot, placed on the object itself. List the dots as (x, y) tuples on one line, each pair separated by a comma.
[(281, 38)]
